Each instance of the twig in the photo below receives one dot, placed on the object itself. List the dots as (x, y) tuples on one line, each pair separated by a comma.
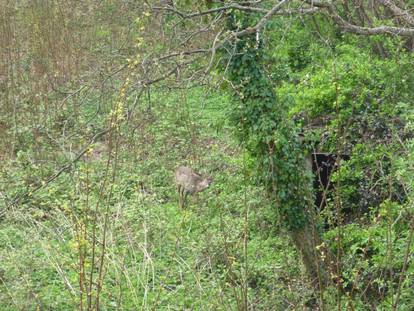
[(61, 170)]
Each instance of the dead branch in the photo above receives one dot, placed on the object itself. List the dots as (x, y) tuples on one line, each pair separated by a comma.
[(397, 11), (360, 30)]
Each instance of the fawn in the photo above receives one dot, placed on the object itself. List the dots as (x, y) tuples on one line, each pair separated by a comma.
[(189, 182)]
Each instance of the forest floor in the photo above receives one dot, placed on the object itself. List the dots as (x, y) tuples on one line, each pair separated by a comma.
[(157, 256)]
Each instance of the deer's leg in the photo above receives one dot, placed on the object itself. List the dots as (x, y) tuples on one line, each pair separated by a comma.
[(185, 198), (182, 196), (180, 200)]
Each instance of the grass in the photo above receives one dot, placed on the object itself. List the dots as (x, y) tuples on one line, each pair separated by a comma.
[(157, 256)]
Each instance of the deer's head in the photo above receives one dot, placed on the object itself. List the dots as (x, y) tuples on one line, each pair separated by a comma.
[(203, 184)]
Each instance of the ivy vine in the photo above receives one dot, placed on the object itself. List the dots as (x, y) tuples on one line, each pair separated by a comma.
[(264, 128)]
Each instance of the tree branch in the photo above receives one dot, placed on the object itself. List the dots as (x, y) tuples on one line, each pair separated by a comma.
[(235, 6), (360, 30), (262, 22), (61, 170), (398, 12)]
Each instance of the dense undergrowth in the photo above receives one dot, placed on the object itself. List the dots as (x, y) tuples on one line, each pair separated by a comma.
[(101, 227), (158, 256)]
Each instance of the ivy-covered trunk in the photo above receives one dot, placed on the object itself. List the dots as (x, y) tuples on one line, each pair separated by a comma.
[(272, 139)]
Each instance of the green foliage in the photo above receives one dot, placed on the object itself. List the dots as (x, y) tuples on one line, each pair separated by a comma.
[(349, 95), (158, 256), (368, 255), (358, 98)]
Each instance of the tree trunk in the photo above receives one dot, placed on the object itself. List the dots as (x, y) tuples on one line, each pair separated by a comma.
[(318, 260), (313, 254)]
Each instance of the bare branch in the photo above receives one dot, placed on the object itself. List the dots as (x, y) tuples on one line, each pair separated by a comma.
[(63, 169), (262, 21), (175, 54), (235, 6), (213, 52), (230, 6), (398, 12), (347, 27)]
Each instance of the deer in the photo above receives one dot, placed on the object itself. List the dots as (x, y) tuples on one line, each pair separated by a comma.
[(189, 182)]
